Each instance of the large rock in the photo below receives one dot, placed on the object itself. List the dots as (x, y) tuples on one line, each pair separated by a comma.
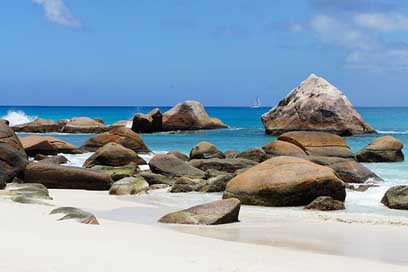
[(383, 149), (13, 159), (178, 155), (285, 181), (318, 143), (41, 126), (205, 150), (148, 123), (123, 136), (396, 198), (169, 165), (129, 186), (315, 105), (64, 177), (282, 148), (46, 145), (52, 159), (189, 115), (353, 172), (113, 154), (85, 125), (214, 213), (224, 165)]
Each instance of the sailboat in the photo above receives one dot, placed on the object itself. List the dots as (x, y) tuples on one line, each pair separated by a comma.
[(257, 103)]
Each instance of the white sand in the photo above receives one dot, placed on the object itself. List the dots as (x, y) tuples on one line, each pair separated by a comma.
[(32, 240)]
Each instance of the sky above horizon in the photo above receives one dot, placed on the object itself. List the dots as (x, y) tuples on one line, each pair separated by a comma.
[(223, 53)]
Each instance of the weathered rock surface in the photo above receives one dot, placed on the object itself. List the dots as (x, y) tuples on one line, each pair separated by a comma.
[(205, 150), (185, 185), (148, 123), (59, 159), (315, 105), (85, 125), (218, 184), (282, 148), (318, 143), (189, 115), (13, 159), (46, 145), (116, 173), (353, 172), (71, 213), (179, 155), (224, 165), (41, 126), (65, 177), (154, 179), (383, 149), (123, 136), (231, 154), (285, 181), (118, 124), (129, 186), (396, 198), (169, 165), (325, 203), (113, 154), (214, 213), (254, 154)]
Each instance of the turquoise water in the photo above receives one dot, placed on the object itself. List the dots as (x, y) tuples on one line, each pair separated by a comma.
[(246, 130)]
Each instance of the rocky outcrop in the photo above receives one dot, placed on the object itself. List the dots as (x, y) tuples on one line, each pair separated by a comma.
[(325, 203), (123, 136), (319, 143), (71, 213), (169, 165), (285, 181), (113, 154), (40, 125), (218, 183), (64, 177), (129, 186), (205, 150), (396, 198), (13, 159), (383, 149), (189, 115), (214, 213), (224, 165), (254, 154), (148, 123), (46, 145), (85, 125), (315, 105)]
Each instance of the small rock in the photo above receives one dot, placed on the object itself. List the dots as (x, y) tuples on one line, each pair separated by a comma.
[(254, 154), (205, 150), (185, 185), (231, 154), (129, 186), (325, 203), (76, 214), (173, 167), (179, 155), (396, 198), (224, 165)]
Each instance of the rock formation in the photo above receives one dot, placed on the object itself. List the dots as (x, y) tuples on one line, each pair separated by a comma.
[(383, 149)]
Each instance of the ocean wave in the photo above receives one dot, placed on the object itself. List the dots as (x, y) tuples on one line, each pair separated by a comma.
[(392, 132), (18, 117)]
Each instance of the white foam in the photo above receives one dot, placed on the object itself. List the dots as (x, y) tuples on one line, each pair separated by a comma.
[(77, 159), (392, 132), (17, 117)]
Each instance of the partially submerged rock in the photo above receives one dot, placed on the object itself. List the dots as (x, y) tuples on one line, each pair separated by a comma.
[(129, 186), (169, 165), (85, 125), (285, 181), (315, 105), (65, 177), (205, 150), (113, 154), (383, 149), (214, 213), (40, 125), (13, 159), (123, 136), (353, 172), (325, 203), (71, 213), (189, 115), (396, 198), (46, 145), (224, 165), (148, 123)]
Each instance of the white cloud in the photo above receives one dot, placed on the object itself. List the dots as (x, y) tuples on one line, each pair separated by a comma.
[(56, 11), (296, 28), (382, 21)]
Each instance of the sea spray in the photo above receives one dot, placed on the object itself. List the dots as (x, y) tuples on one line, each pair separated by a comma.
[(17, 117)]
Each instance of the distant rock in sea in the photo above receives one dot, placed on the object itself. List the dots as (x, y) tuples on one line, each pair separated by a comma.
[(188, 115), (315, 105)]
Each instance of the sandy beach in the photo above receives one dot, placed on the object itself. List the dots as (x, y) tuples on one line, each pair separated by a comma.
[(33, 240)]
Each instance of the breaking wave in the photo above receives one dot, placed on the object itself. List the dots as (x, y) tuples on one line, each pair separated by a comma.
[(17, 117)]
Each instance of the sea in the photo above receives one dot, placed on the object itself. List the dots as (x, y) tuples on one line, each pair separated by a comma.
[(245, 131)]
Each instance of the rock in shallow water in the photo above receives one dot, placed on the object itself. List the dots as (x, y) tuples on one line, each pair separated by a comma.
[(285, 181), (205, 150), (383, 149), (325, 203), (396, 198), (214, 213), (315, 105)]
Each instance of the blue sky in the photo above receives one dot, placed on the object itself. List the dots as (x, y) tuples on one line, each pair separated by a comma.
[(143, 52)]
